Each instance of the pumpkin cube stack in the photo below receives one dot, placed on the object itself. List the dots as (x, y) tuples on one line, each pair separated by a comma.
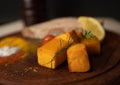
[(73, 46)]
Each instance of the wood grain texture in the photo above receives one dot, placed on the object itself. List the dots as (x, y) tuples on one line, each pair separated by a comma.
[(105, 69)]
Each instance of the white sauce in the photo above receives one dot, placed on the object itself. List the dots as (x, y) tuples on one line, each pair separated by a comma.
[(7, 51)]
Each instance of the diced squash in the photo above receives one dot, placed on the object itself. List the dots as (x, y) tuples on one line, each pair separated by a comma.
[(53, 53), (92, 45), (77, 58)]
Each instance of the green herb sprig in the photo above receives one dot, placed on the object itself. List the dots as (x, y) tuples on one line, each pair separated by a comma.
[(88, 34)]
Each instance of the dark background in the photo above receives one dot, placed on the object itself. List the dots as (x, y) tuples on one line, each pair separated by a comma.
[(10, 10)]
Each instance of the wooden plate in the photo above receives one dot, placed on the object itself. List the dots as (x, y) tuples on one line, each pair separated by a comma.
[(105, 69)]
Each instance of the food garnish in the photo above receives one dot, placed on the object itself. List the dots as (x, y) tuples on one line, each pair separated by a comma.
[(47, 38), (87, 34), (93, 25)]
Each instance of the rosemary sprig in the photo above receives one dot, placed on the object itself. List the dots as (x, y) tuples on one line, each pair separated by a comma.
[(88, 34), (62, 50)]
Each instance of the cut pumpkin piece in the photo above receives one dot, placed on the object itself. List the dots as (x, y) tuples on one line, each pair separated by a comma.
[(53, 53), (92, 45), (77, 57)]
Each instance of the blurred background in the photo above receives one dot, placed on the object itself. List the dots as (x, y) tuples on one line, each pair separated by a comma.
[(11, 10)]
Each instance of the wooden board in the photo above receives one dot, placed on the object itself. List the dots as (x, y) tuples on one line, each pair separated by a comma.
[(105, 69)]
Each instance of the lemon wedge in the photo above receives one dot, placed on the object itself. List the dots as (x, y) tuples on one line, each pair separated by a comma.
[(93, 25)]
